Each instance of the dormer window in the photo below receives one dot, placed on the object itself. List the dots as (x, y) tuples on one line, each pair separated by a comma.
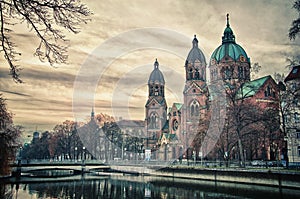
[(213, 62), (242, 58)]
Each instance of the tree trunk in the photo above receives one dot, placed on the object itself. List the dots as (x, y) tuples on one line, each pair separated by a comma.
[(242, 158)]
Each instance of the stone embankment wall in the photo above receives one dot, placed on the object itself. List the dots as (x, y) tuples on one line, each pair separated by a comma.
[(266, 178)]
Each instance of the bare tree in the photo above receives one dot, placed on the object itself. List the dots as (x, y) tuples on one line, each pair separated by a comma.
[(295, 27), (255, 68), (45, 18), (241, 115), (9, 134)]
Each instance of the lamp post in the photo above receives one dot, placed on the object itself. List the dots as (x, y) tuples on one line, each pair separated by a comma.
[(83, 153), (83, 159), (75, 154)]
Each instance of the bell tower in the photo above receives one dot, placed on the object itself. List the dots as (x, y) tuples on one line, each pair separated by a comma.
[(195, 93), (156, 106)]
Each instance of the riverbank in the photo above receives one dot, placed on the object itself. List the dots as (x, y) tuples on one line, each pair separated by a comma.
[(279, 177), (264, 177)]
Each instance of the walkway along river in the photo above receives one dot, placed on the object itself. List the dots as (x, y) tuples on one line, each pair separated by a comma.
[(138, 181)]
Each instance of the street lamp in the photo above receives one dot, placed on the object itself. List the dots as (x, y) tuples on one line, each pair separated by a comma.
[(83, 163), (75, 155), (83, 153)]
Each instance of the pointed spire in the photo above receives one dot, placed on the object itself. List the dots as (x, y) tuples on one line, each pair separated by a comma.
[(228, 36), (92, 114), (227, 16), (195, 41), (156, 64)]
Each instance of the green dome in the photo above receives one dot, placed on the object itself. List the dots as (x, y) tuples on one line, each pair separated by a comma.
[(229, 47), (232, 50)]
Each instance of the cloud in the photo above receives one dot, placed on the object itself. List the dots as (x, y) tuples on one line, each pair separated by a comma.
[(260, 27), (14, 93)]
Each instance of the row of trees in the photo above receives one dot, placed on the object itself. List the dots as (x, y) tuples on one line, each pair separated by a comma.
[(102, 140), (251, 129), (61, 142)]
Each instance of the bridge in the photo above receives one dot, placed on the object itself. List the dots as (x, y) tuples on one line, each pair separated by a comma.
[(70, 167)]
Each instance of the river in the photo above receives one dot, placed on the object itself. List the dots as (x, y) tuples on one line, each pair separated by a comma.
[(118, 186)]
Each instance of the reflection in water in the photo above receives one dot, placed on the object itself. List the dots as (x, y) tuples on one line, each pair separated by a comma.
[(90, 187)]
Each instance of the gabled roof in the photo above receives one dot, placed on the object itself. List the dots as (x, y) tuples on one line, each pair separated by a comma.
[(294, 74), (178, 105), (158, 100), (252, 87), (194, 84)]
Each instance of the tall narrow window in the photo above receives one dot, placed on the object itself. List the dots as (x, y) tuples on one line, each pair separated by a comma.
[(197, 76), (156, 91), (194, 109), (190, 73), (240, 72), (153, 120)]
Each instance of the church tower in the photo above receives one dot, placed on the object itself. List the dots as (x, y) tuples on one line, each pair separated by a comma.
[(156, 106), (229, 62), (195, 93)]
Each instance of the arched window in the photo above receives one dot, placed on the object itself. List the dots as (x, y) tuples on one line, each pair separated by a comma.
[(156, 90), (197, 76), (190, 73), (228, 73), (194, 109), (153, 120), (241, 72), (268, 91)]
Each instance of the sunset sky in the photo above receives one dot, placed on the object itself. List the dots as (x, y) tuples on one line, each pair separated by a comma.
[(112, 57)]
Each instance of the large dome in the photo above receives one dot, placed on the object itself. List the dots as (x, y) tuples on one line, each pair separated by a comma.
[(195, 53), (156, 75), (233, 50), (229, 47)]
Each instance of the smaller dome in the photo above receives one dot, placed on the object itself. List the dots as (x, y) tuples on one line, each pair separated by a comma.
[(156, 75), (195, 53)]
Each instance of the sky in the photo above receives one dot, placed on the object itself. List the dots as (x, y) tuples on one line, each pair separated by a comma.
[(111, 59)]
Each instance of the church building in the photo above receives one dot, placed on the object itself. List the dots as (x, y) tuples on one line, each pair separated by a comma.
[(178, 130)]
